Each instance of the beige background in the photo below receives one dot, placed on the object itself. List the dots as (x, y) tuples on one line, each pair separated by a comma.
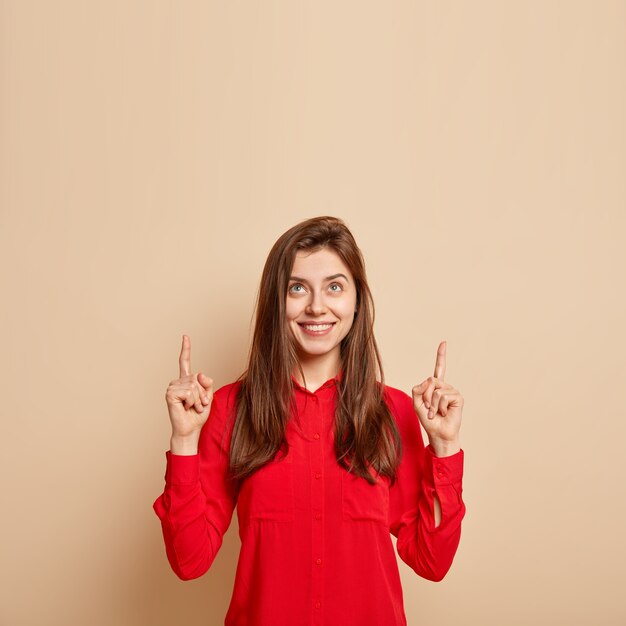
[(152, 152)]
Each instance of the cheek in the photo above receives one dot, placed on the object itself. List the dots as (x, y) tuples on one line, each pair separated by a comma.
[(347, 308), (348, 318), (291, 309)]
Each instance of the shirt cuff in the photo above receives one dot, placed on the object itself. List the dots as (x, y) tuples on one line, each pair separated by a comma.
[(444, 470), (182, 469)]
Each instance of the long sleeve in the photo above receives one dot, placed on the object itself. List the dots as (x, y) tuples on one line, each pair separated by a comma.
[(428, 549), (198, 500)]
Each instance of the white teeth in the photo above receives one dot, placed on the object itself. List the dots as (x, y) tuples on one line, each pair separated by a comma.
[(317, 326)]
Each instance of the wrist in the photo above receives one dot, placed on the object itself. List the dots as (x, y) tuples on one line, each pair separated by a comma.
[(443, 448), (187, 445)]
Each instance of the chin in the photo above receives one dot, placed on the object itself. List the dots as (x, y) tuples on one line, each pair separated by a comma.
[(320, 351)]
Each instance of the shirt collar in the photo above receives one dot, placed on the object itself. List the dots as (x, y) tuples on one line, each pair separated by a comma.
[(329, 383)]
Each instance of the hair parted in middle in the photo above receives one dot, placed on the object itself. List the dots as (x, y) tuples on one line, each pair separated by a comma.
[(366, 434)]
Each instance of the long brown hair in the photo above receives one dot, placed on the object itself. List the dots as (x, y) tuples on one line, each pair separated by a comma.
[(365, 430)]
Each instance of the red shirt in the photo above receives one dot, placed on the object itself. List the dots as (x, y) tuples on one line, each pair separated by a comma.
[(316, 548)]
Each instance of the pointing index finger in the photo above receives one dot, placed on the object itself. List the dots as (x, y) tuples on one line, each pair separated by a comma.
[(440, 364), (184, 360)]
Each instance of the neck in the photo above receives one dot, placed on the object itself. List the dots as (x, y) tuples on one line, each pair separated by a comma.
[(318, 369)]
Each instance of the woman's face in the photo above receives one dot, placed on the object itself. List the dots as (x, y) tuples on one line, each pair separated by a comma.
[(321, 292)]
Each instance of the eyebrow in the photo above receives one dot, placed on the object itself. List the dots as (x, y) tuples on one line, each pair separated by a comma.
[(304, 280)]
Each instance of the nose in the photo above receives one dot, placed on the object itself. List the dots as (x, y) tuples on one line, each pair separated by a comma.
[(316, 305)]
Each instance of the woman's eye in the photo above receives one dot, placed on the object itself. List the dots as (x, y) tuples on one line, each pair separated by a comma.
[(338, 285)]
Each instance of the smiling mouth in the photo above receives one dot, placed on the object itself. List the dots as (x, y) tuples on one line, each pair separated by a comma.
[(316, 328)]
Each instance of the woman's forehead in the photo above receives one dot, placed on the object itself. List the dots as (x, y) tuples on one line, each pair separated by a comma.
[(318, 260)]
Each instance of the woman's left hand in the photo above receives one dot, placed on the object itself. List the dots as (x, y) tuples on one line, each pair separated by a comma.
[(439, 407)]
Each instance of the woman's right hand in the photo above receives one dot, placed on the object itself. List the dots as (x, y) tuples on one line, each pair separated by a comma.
[(188, 398)]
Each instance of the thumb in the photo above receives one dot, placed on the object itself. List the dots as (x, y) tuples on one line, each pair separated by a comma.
[(205, 381), (421, 388), (418, 398)]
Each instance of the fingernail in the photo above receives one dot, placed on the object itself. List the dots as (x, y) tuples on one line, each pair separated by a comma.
[(427, 404), (430, 414)]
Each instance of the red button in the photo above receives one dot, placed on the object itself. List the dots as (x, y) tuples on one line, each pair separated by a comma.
[(318, 516), (319, 561), (318, 475), (316, 436), (317, 605)]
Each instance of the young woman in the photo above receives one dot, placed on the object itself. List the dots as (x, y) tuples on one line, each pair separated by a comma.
[(322, 460)]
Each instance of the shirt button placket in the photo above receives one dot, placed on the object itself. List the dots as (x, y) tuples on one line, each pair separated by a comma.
[(317, 502)]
